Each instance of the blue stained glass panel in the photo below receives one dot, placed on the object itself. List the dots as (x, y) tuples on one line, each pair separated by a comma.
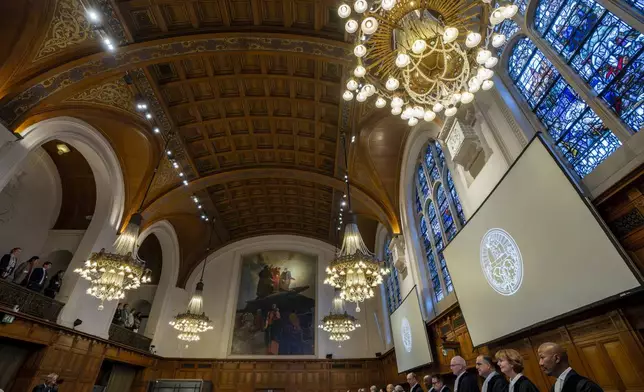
[(419, 206), (536, 78), (626, 95), (422, 181), (433, 273), (446, 276), (546, 12), (424, 233), (561, 108), (457, 201), (574, 22), (441, 156), (392, 285), (521, 53)]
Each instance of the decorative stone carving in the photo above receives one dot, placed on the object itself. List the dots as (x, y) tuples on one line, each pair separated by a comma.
[(114, 93), (164, 179), (68, 27), (463, 144), (397, 248)]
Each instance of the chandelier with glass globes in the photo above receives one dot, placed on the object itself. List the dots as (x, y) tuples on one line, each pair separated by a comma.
[(338, 323), (422, 57)]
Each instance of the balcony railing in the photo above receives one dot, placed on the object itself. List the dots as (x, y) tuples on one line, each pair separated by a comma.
[(124, 336), (29, 302)]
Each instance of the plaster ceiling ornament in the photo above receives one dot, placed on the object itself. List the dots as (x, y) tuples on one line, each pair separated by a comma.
[(424, 56), (113, 93), (501, 261), (338, 323)]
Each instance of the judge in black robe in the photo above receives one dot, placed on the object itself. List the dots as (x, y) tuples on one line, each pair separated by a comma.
[(438, 384), (412, 379), (510, 363), (492, 381), (465, 381), (553, 360)]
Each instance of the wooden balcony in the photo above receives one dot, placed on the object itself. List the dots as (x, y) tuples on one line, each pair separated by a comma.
[(29, 302)]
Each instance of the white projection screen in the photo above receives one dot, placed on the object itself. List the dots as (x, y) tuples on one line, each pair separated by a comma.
[(533, 251), (410, 334)]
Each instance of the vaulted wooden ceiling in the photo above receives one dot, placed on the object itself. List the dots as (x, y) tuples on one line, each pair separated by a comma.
[(251, 89)]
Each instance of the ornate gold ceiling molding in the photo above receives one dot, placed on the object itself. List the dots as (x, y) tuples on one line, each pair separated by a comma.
[(164, 179), (103, 65), (68, 27), (383, 213), (113, 93)]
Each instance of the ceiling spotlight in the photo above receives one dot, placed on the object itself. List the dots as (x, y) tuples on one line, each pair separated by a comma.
[(175, 164), (181, 174), (199, 206), (185, 182), (157, 130), (353, 138), (344, 203), (206, 219), (148, 115), (195, 199), (141, 106), (93, 16), (169, 153)]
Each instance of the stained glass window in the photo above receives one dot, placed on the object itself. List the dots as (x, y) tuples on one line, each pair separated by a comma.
[(436, 218), (508, 28), (637, 4), (575, 128), (392, 285), (605, 51)]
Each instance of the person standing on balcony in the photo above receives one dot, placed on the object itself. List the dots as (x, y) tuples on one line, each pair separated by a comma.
[(48, 385), (8, 262), (54, 284), (38, 277), (21, 274)]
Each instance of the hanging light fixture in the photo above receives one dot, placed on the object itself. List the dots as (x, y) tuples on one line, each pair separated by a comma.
[(355, 271), (194, 321), (424, 54), (112, 273), (338, 323)]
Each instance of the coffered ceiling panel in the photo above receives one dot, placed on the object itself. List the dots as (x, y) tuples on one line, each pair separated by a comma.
[(262, 205), (150, 19), (241, 110)]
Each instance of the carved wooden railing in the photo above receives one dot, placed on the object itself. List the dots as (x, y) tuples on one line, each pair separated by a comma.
[(29, 302), (130, 338)]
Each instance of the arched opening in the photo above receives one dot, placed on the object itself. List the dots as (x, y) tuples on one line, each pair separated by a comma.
[(82, 141)]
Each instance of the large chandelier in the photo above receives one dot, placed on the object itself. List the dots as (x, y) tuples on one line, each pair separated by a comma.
[(338, 323), (194, 321), (112, 273), (422, 56), (355, 271)]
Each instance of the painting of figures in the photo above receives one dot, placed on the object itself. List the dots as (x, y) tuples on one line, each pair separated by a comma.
[(275, 312)]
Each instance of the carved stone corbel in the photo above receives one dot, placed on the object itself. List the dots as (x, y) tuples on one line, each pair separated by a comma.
[(463, 144), (397, 248)]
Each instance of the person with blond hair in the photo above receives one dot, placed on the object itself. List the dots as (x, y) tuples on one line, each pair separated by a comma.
[(48, 385), (511, 364), (465, 381)]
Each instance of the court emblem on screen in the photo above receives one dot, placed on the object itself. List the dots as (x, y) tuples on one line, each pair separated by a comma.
[(405, 332), (501, 261)]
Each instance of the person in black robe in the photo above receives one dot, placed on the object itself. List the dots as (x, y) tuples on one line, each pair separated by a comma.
[(493, 381), (438, 384), (465, 381), (414, 386), (511, 364), (553, 360), (427, 380)]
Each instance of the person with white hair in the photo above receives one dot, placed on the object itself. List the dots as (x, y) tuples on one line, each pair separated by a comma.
[(465, 382), (399, 388)]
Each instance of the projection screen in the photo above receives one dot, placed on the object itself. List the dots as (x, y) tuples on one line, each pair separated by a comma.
[(532, 252), (410, 334)]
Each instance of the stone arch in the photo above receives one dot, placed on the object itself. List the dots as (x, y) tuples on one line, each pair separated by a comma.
[(171, 258), (110, 204)]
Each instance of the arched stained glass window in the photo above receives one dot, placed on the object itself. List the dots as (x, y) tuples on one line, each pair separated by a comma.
[(440, 215), (392, 285), (574, 127), (637, 4), (606, 52)]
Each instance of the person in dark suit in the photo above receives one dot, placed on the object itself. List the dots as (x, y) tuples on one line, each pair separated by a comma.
[(553, 360), (48, 385), (439, 384), (511, 364), (427, 380), (8, 262), (465, 382), (38, 277), (493, 381), (414, 386)]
